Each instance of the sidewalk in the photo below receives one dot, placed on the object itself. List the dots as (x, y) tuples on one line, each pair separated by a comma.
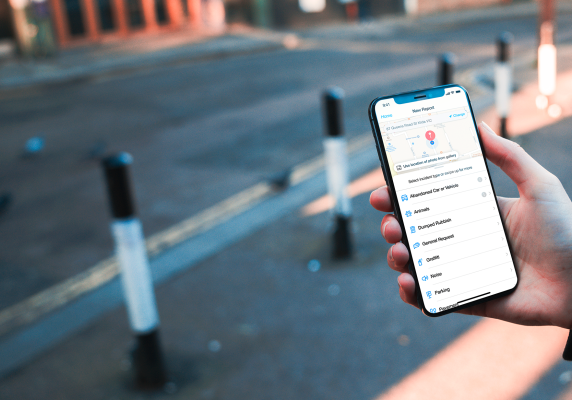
[(133, 54), (117, 57)]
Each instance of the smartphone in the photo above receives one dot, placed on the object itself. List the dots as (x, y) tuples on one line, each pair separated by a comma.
[(434, 165)]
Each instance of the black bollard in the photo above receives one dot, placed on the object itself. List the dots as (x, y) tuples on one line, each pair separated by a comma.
[(337, 170), (503, 80), (135, 274), (446, 68)]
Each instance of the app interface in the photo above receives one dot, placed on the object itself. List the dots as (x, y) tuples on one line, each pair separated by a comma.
[(453, 226)]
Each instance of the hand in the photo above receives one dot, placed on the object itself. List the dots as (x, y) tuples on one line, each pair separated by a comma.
[(539, 225)]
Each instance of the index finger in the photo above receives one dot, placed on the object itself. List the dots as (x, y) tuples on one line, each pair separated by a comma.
[(380, 199)]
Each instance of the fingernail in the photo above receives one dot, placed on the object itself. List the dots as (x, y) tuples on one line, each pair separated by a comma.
[(391, 253), (383, 228), (399, 284), (487, 128)]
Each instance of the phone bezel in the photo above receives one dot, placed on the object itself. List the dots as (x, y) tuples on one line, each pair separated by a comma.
[(409, 97)]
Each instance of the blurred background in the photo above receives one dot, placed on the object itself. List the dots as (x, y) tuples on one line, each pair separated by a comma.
[(252, 282)]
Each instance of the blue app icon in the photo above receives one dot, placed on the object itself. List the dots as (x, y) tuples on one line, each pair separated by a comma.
[(404, 197), (428, 293), (424, 278), (416, 245), (408, 213), (412, 229), (420, 262), (432, 310)]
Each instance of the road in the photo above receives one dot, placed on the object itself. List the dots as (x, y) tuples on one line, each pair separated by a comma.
[(198, 132)]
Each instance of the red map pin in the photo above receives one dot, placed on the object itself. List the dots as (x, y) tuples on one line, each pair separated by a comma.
[(430, 135)]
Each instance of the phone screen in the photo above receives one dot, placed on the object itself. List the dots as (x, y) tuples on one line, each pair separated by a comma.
[(445, 198)]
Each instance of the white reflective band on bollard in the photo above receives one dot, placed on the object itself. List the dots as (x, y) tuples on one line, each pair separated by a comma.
[(312, 6), (135, 275), (337, 171), (547, 69), (410, 6), (503, 86)]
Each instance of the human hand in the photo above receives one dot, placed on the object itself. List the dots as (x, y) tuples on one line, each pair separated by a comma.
[(539, 226)]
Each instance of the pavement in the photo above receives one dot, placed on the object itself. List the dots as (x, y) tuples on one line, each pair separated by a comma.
[(137, 53), (252, 316), (112, 57)]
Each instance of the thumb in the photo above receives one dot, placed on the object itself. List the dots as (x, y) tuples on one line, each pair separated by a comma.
[(520, 167)]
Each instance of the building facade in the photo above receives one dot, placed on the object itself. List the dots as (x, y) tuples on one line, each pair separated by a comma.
[(90, 20), (83, 21)]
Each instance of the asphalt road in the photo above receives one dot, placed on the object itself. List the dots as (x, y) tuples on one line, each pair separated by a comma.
[(199, 132)]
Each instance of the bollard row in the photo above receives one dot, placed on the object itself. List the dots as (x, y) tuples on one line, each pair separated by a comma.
[(130, 243), (503, 76)]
